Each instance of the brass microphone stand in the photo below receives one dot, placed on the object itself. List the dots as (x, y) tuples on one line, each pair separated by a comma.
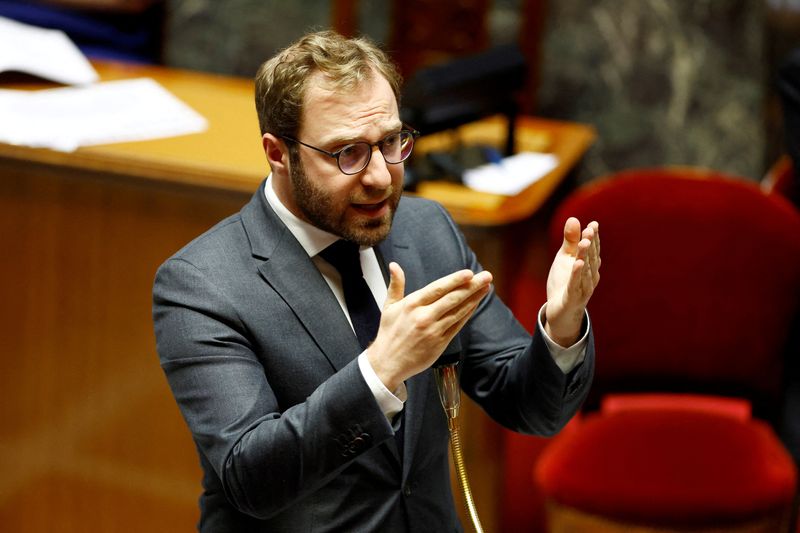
[(450, 396)]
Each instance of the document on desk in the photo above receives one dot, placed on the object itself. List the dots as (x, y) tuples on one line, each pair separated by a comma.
[(116, 111), (512, 174), (46, 53)]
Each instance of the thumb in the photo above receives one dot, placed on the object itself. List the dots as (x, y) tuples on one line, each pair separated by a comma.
[(397, 284), (572, 234)]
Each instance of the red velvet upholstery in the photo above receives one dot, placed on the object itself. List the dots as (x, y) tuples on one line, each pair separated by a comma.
[(735, 408), (669, 468), (700, 281)]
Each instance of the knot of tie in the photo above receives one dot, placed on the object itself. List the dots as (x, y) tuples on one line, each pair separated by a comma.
[(344, 256)]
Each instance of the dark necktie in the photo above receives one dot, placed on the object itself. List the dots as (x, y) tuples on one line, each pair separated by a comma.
[(360, 302)]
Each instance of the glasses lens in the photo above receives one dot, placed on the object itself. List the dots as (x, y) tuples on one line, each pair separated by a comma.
[(397, 146), (354, 157)]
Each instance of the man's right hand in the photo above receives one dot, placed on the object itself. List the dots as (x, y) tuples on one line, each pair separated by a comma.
[(415, 329)]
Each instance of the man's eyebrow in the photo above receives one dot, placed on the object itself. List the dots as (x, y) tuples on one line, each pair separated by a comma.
[(349, 139)]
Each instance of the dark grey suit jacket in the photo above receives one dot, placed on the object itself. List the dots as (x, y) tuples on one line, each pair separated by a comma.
[(261, 361)]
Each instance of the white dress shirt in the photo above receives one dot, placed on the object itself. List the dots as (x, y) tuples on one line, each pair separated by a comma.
[(314, 240)]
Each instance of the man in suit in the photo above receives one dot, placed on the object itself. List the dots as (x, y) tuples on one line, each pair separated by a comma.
[(302, 421)]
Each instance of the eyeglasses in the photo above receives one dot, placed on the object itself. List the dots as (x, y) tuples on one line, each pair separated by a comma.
[(353, 158)]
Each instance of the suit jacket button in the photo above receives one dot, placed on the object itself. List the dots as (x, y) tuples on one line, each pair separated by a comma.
[(407, 490)]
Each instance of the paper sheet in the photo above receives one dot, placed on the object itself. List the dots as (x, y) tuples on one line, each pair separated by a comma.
[(116, 111), (49, 54), (512, 175)]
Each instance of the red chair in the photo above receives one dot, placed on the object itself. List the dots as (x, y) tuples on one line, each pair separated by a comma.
[(700, 283)]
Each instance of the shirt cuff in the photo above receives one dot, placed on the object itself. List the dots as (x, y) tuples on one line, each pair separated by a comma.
[(565, 358), (390, 403)]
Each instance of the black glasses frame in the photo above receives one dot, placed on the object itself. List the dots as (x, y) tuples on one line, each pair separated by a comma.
[(407, 129)]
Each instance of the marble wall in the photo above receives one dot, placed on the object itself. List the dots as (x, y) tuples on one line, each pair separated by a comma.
[(665, 82), (236, 36)]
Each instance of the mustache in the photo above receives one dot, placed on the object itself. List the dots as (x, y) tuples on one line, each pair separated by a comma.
[(375, 196)]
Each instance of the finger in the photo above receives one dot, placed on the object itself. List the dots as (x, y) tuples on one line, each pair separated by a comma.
[(588, 263), (592, 231), (458, 296), (572, 234), (440, 315), (574, 286), (581, 263), (587, 282), (595, 262), (453, 330), (439, 288), (594, 253), (470, 300), (592, 256), (397, 284), (464, 314), (591, 264), (584, 247), (596, 241)]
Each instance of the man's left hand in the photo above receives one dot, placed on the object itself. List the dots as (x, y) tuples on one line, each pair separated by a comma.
[(573, 277)]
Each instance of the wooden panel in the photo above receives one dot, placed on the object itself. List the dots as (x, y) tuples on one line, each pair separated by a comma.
[(91, 439)]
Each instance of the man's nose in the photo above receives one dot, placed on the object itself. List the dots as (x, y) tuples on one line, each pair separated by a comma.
[(377, 174)]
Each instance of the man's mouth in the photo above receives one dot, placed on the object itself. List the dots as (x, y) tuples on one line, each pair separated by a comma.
[(374, 209)]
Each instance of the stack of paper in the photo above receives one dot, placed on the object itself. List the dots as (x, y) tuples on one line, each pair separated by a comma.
[(93, 113), (511, 175), (116, 111), (45, 53)]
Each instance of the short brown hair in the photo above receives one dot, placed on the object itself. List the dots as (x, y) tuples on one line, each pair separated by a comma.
[(281, 80)]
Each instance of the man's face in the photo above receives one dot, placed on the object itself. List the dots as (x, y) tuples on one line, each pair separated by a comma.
[(357, 207)]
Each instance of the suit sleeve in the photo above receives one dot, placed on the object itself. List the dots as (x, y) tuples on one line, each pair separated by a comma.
[(512, 375), (267, 456)]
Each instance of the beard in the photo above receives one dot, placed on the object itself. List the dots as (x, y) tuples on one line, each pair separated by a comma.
[(323, 212)]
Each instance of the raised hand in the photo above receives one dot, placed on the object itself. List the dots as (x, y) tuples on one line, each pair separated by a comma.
[(415, 329), (573, 277)]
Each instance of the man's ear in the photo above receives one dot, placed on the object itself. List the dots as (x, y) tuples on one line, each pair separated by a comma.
[(277, 153)]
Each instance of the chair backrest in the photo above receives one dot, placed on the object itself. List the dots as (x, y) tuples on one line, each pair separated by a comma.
[(699, 285)]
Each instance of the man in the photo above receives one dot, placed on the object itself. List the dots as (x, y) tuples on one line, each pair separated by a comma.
[(302, 423)]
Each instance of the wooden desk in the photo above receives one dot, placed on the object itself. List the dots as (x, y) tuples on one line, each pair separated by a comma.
[(229, 156), (568, 141), (91, 439)]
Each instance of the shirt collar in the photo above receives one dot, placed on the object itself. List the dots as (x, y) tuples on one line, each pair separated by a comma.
[(311, 238)]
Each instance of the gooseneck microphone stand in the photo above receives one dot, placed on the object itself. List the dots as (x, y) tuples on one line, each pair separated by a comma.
[(450, 396)]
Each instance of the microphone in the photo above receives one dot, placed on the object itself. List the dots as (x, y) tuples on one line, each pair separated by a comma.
[(445, 369)]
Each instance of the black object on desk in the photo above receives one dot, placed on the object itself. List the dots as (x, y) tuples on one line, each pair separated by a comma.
[(451, 94)]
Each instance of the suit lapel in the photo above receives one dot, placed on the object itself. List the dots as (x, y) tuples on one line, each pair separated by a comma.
[(282, 261)]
